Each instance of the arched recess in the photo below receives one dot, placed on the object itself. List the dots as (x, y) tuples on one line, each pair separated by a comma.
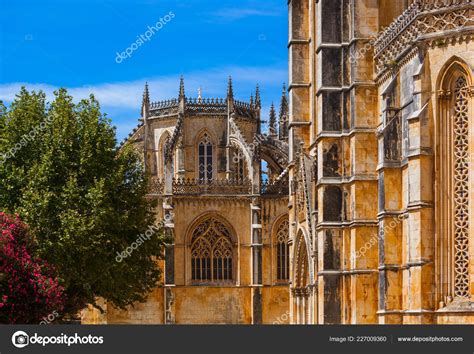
[(205, 156), (237, 144), (211, 251), (301, 264), (454, 181), (163, 140), (302, 281), (281, 250), (332, 203), (239, 162)]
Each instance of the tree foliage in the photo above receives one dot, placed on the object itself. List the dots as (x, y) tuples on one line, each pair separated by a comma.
[(84, 199)]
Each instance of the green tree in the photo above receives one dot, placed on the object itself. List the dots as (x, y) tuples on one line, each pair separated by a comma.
[(84, 199)]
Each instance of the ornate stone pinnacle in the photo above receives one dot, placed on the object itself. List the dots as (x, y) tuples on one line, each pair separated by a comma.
[(146, 95), (258, 101), (145, 99), (283, 103), (272, 120), (284, 109), (181, 88), (230, 90)]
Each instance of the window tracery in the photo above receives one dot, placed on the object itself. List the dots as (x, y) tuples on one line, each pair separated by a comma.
[(205, 158), (211, 252), (282, 250)]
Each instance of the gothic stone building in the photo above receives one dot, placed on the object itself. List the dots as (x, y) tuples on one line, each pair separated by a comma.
[(381, 138), (222, 188), (377, 150)]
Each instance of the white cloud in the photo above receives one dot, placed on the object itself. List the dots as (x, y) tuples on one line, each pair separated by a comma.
[(238, 13), (128, 95)]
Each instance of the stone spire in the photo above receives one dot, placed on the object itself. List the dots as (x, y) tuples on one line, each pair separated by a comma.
[(199, 94), (284, 109), (145, 114), (251, 100), (230, 90), (181, 88), (145, 100), (258, 101), (272, 122)]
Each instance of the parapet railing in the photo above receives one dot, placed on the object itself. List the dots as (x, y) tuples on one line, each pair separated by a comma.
[(195, 186), (420, 19), (275, 187)]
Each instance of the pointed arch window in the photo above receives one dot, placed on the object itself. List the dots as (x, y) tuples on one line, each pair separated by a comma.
[(461, 189), (301, 281), (205, 158), (282, 251), (211, 252), (453, 200)]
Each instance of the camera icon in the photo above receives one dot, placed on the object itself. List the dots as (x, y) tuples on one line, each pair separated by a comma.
[(20, 339)]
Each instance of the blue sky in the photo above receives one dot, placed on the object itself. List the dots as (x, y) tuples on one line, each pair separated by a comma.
[(70, 43)]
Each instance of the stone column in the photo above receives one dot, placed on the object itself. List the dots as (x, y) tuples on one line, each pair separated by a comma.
[(298, 309), (256, 259), (169, 262)]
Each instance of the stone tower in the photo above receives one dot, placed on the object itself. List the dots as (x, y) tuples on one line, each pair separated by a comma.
[(380, 110), (226, 215)]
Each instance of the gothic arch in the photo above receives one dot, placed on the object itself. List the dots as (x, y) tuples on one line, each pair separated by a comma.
[(275, 153), (454, 67), (280, 237), (204, 139), (301, 266), (212, 251), (453, 178), (272, 164), (163, 139), (302, 281)]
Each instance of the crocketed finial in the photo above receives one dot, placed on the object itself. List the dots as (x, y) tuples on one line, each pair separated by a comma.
[(258, 101), (145, 99), (272, 122), (284, 109), (283, 103), (146, 95), (230, 90), (181, 87), (199, 94)]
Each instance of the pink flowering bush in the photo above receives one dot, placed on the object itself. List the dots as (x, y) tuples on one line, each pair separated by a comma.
[(29, 289)]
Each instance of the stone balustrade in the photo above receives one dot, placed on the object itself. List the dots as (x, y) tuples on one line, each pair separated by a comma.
[(423, 19)]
